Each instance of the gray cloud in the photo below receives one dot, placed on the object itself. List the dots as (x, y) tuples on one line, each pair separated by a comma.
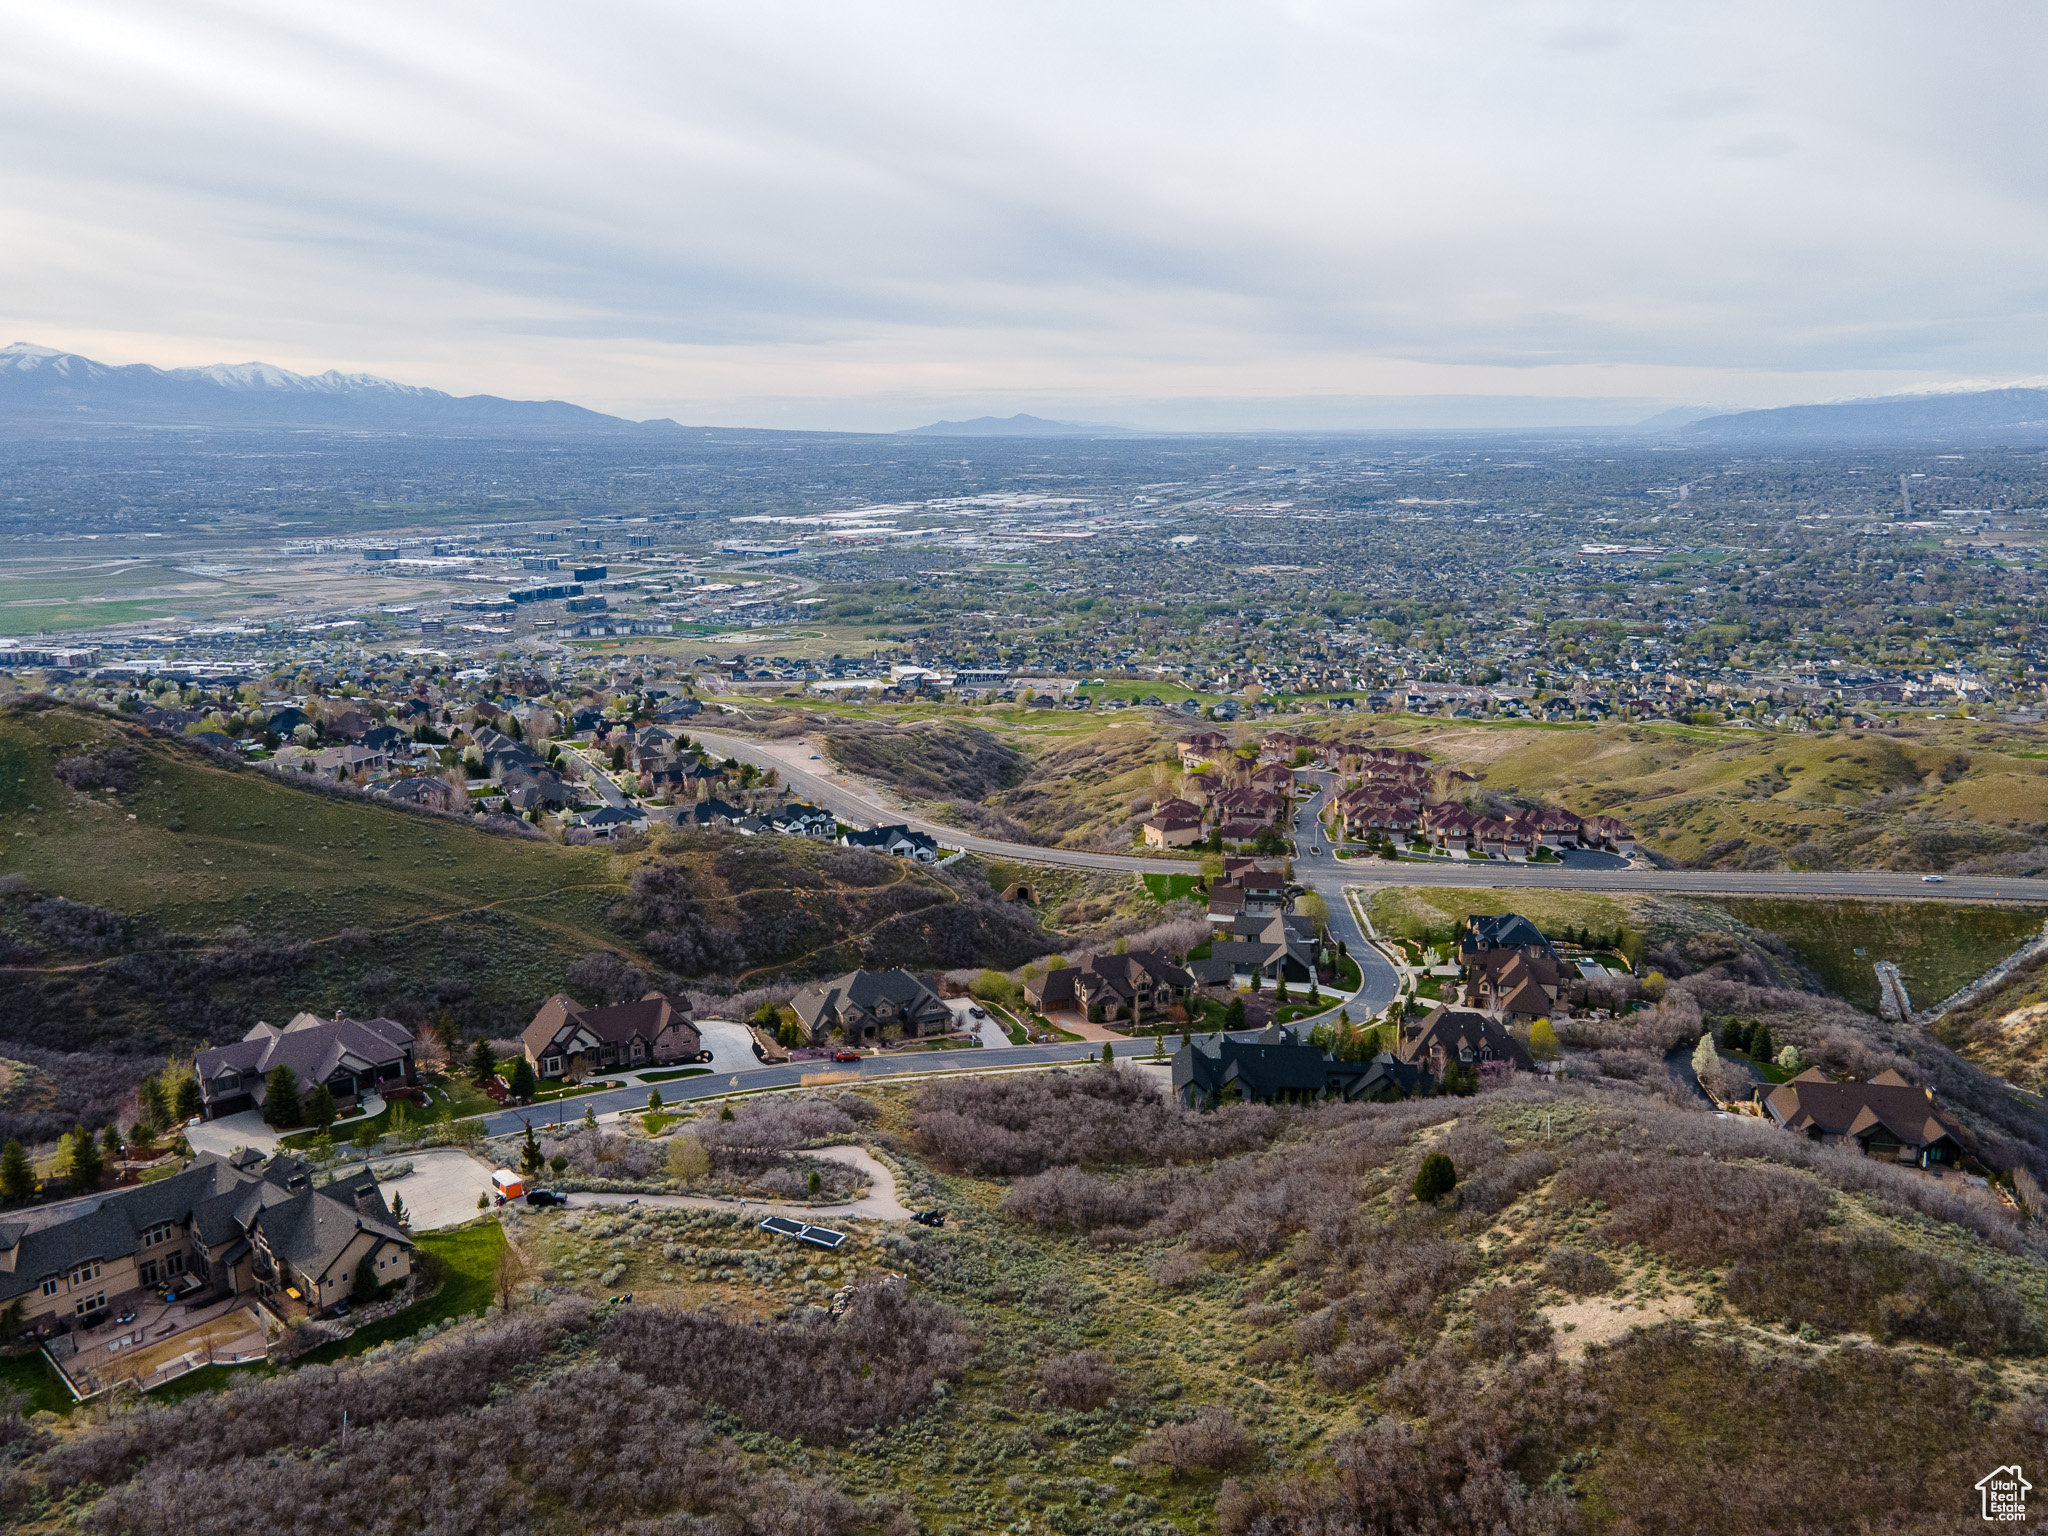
[(774, 209)]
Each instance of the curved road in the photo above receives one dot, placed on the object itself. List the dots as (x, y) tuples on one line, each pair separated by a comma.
[(816, 780)]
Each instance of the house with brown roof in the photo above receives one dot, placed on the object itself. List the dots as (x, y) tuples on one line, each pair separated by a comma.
[(1445, 1036), (1199, 747), (1886, 1117), (1514, 983), (569, 1040), (1136, 985), (1257, 806)]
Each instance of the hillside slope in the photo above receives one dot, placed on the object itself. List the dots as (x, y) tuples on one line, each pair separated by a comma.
[(187, 898)]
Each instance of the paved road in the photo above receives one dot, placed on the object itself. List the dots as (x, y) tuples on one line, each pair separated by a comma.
[(816, 781)]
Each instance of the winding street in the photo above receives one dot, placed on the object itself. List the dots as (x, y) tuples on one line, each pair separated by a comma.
[(862, 804)]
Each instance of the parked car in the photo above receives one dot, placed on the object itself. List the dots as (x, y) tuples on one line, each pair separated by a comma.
[(846, 1055), (977, 1013), (545, 1197)]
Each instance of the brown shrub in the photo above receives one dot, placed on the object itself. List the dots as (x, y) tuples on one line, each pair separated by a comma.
[(1577, 1271), (1211, 1441), (1083, 1380), (1697, 1211)]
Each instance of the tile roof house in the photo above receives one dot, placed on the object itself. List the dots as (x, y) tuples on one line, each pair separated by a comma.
[(1135, 985), (569, 1040), (351, 1056), (864, 1005), (1886, 1117), (220, 1226)]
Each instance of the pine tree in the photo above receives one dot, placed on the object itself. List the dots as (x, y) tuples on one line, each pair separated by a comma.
[(84, 1164), (654, 1101), (590, 1117), (156, 1102), (522, 1083), (398, 1211), (110, 1142), (1760, 1042), (1233, 1016), (531, 1159), (185, 1101), (17, 1173), (1107, 1058), (281, 1096), (1437, 1177), (320, 1109), (483, 1064)]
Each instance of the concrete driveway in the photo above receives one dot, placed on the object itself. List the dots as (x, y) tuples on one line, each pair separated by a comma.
[(878, 1204), (731, 1046), (442, 1188), (990, 1032), (230, 1133)]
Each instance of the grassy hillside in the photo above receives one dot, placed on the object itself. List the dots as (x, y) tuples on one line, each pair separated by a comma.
[(1933, 796), (192, 898), (2007, 1032), (1922, 795)]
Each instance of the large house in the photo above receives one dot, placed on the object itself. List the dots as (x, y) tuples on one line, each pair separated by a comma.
[(898, 841), (1446, 1037), (221, 1226), (864, 1007), (1886, 1117), (353, 1057), (1275, 948), (1133, 985), (566, 1039), (1273, 1068)]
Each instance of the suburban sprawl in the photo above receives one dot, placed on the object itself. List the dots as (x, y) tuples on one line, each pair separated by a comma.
[(681, 982)]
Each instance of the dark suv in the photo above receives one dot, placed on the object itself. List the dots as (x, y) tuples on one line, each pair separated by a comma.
[(545, 1197)]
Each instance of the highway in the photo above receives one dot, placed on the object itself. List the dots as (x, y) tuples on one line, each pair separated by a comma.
[(862, 804)]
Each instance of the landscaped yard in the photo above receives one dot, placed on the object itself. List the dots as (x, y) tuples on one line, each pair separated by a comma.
[(471, 1255), (32, 1376), (1170, 887)]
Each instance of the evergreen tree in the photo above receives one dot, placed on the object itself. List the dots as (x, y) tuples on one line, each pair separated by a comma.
[(522, 1082), (483, 1065), (320, 1109), (281, 1096), (185, 1102), (590, 1117), (156, 1102), (398, 1211), (363, 1290), (1735, 1035), (17, 1174), (84, 1165), (560, 1163), (654, 1101), (1233, 1016), (110, 1142), (1760, 1043), (1437, 1177), (1108, 1058), (817, 1183), (531, 1159)]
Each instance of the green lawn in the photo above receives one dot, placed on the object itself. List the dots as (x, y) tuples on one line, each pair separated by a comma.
[(471, 1254), (35, 1378), (1170, 887), (1938, 946)]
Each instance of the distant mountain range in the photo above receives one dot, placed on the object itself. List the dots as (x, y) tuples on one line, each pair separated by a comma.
[(1973, 413), (42, 386), (1019, 425)]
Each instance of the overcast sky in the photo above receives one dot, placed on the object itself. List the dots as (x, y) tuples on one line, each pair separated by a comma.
[(870, 215)]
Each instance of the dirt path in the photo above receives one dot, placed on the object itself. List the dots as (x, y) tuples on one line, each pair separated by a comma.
[(878, 1204)]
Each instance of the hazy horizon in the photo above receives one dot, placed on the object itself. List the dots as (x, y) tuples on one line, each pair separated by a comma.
[(1295, 217)]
